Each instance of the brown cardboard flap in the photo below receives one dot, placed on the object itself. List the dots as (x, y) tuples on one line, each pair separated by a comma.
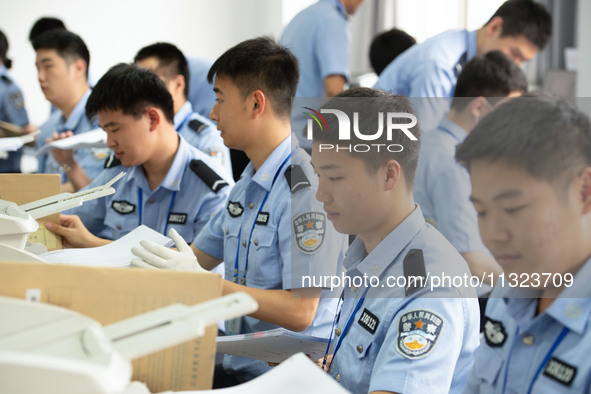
[(112, 294)]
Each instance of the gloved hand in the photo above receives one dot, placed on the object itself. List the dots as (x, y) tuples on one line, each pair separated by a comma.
[(152, 255)]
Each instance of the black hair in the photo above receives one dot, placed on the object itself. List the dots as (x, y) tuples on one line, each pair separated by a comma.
[(261, 63), (386, 46), (68, 45), (527, 18), (545, 136), (371, 105), (493, 75), (4, 50), (45, 24), (171, 61), (131, 90)]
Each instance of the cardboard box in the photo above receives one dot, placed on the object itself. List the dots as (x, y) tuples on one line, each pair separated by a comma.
[(112, 294), (24, 188)]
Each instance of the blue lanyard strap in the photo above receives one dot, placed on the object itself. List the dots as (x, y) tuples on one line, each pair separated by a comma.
[(140, 204), (345, 330), (548, 355), (236, 268), (449, 132), (180, 126)]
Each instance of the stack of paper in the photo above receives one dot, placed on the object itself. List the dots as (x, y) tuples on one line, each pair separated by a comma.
[(91, 139), (274, 345), (116, 254)]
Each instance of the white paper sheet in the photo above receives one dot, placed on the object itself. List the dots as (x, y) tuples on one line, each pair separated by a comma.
[(96, 138), (11, 144), (274, 345), (116, 254)]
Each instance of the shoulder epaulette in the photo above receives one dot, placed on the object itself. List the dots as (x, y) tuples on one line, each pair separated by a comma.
[(112, 161), (296, 179), (414, 268), (207, 175), (197, 125)]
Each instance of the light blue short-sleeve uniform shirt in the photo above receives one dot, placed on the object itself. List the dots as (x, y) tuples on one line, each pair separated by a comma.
[(419, 342), (201, 93), (271, 233), (184, 200), (430, 69), (12, 110), (525, 353), (201, 133), (320, 38), (442, 188), (90, 159)]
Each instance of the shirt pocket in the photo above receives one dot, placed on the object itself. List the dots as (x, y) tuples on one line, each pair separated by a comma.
[(231, 247), (487, 369), (359, 354), (265, 259)]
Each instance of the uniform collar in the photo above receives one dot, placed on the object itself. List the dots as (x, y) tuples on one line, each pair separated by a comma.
[(471, 41), (388, 250), (453, 128), (340, 7), (3, 70), (182, 114), (265, 174), (76, 116), (172, 180)]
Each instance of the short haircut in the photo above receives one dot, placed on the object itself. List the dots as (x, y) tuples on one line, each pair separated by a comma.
[(492, 75), (131, 90), (371, 104), (261, 63), (386, 46), (172, 61), (4, 50), (545, 136), (525, 18), (45, 24), (68, 45)]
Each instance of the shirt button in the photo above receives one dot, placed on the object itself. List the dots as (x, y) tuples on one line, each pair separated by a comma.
[(256, 243), (337, 331), (227, 232), (353, 289), (244, 244), (150, 201), (528, 340), (250, 205), (338, 378), (359, 348), (118, 227)]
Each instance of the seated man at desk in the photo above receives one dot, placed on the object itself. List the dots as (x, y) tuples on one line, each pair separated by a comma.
[(169, 184)]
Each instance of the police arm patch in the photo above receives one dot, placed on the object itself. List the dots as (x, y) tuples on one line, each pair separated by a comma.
[(418, 333), (309, 230)]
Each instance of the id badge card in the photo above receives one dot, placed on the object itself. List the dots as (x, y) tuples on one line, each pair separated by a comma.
[(233, 326)]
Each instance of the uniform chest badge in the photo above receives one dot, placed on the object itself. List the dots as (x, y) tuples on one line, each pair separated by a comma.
[(123, 207), (494, 333), (235, 209), (309, 229), (418, 333)]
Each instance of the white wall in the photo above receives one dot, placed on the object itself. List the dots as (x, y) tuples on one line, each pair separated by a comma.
[(584, 47), (115, 29)]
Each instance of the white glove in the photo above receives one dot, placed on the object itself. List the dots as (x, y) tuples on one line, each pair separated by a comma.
[(152, 255)]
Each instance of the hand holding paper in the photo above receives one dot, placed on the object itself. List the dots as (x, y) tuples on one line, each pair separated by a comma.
[(62, 156), (74, 233), (152, 255)]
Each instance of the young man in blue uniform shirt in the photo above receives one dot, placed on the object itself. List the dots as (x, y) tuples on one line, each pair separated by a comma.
[(442, 186), (320, 38), (530, 167), (169, 184), (519, 28), (62, 67), (272, 231), (393, 333), (12, 108), (169, 63)]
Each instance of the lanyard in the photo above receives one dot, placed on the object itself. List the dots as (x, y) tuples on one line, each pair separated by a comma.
[(141, 203), (345, 330), (544, 361), (243, 279), (180, 126), (449, 132)]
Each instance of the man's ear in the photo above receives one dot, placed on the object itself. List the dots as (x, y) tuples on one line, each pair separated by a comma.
[(494, 27), (479, 107), (258, 102), (585, 179), (179, 83), (154, 117), (79, 66), (393, 173)]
